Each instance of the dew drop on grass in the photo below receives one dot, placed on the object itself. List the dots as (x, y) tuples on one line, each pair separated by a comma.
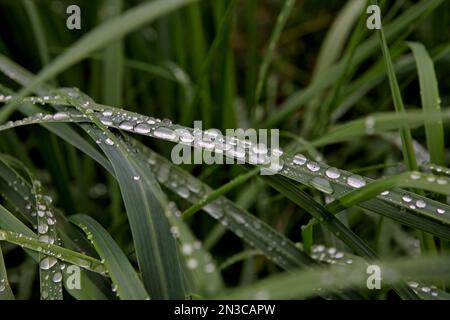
[(385, 193), (61, 116), (333, 173), (126, 125), (187, 249), (109, 142), (2, 287), (440, 211), (356, 181), (142, 128), (136, 178), (192, 263), (313, 166), (299, 159), (42, 228), (106, 121), (421, 204), (322, 184), (406, 198), (209, 268), (47, 263), (165, 133), (57, 277)]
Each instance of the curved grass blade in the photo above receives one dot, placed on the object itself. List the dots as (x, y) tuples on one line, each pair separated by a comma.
[(18, 194), (5, 289), (112, 29), (317, 175), (50, 274), (287, 8), (415, 180), (55, 252), (145, 204), (125, 279), (331, 256), (304, 284), (207, 279), (302, 199), (431, 102)]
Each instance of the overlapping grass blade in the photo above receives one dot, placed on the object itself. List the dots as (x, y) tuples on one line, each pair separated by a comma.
[(431, 102), (107, 32), (304, 284), (5, 289), (126, 281)]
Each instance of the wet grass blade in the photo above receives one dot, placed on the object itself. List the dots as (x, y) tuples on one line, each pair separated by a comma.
[(107, 32), (303, 284), (325, 217), (286, 10), (5, 289), (126, 281), (431, 102)]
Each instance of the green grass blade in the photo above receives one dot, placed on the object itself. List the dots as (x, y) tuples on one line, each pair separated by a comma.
[(124, 277), (286, 10), (325, 217), (303, 284), (431, 102), (5, 289), (107, 32), (407, 145)]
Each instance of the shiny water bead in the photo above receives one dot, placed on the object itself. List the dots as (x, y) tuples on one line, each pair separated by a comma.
[(260, 148), (299, 159), (61, 116), (356, 181), (313, 166), (322, 184), (57, 277), (47, 263), (126, 125), (142, 128), (421, 204), (109, 142), (333, 173), (440, 211), (406, 198), (165, 133), (277, 152), (385, 193)]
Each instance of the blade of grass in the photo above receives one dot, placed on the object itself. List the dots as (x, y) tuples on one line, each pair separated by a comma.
[(126, 280), (5, 289), (111, 30), (431, 102)]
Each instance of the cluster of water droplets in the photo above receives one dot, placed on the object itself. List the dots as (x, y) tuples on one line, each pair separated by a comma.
[(3, 285), (246, 226), (424, 289), (329, 255)]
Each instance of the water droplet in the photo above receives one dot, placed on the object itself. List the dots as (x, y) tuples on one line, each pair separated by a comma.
[(187, 249), (299, 159), (192, 263), (165, 133), (61, 116), (42, 228), (415, 175), (440, 211), (142, 128), (421, 204), (109, 142), (406, 198), (136, 178), (57, 277), (47, 263), (333, 173), (356, 181), (385, 193), (126, 125), (322, 184), (209, 268), (313, 166)]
